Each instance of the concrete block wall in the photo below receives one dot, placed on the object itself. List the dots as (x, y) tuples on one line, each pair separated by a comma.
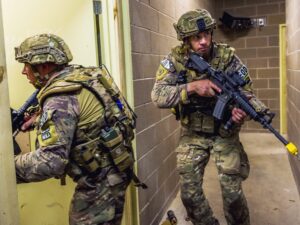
[(293, 79), (258, 48), (152, 37)]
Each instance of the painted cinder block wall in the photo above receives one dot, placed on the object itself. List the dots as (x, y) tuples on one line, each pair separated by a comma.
[(152, 37), (258, 48), (293, 79)]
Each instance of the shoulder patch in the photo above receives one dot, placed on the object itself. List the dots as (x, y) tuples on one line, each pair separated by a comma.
[(243, 73), (161, 72), (167, 64), (47, 132)]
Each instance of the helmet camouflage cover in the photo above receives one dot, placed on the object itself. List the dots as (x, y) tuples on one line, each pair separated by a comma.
[(43, 48), (193, 22)]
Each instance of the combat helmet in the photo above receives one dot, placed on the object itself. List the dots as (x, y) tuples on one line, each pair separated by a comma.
[(43, 48), (193, 22)]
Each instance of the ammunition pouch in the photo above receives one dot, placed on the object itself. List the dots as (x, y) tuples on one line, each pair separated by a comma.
[(199, 122), (118, 150), (89, 158), (199, 118)]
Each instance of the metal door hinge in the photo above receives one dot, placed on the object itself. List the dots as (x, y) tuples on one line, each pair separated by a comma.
[(1, 73), (97, 7)]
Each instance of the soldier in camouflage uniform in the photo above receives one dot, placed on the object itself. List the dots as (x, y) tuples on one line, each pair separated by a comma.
[(79, 124), (192, 97)]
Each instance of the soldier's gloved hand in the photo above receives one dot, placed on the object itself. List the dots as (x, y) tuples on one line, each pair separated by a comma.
[(238, 115), (29, 122), (204, 88)]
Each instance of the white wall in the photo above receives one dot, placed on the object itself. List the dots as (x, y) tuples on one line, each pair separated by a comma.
[(69, 19), (46, 202)]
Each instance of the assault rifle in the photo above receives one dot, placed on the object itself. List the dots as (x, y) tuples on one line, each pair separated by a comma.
[(231, 93), (18, 115), (171, 219)]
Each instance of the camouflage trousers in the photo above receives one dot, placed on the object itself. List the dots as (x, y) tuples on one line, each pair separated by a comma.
[(99, 202), (232, 163)]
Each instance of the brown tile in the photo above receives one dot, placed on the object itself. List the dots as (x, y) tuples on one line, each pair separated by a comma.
[(268, 52), (157, 203), (165, 112), (268, 93), (224, 35), (246, 33), (256, 2), (219, 4), (148, 115), (246, 53), (246, 11), (274, 41), (268, 73), (146, 1), (273, 83), (273, 62), (145, 198), (142, 91), (161, 44), (276, 0), (144, 65), (148, 164), (145, 141), (166, 127), (143, 16), (166, 7), (257, 63), (233, 3), (252, 72), (296, 79), (293, 61), (165, 169), (172, 184), (140, 39), (256, 42), (274, 104), (276, 19), (268, 9), (260, 83), (282, 7), (237, 43), (166, 26), (268, 30)]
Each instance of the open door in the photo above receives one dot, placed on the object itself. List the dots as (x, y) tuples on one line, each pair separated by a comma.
[(8, 189), (115, 53)]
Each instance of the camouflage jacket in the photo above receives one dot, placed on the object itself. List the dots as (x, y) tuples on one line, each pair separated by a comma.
[(170, 88), (71, 117)]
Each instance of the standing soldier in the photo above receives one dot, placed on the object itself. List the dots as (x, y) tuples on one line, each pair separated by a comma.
[(192, 98), (84, 130)]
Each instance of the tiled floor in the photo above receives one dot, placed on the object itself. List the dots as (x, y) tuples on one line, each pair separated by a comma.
[(271, 192)]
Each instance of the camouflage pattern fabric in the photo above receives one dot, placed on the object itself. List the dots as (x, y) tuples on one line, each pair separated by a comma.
[(193, 22), (193, 154), (43, 48), (202, 137), (65, 122), (99, 201)]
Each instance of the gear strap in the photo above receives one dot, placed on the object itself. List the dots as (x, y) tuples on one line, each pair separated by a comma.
[(130, 172), (137, 181)]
